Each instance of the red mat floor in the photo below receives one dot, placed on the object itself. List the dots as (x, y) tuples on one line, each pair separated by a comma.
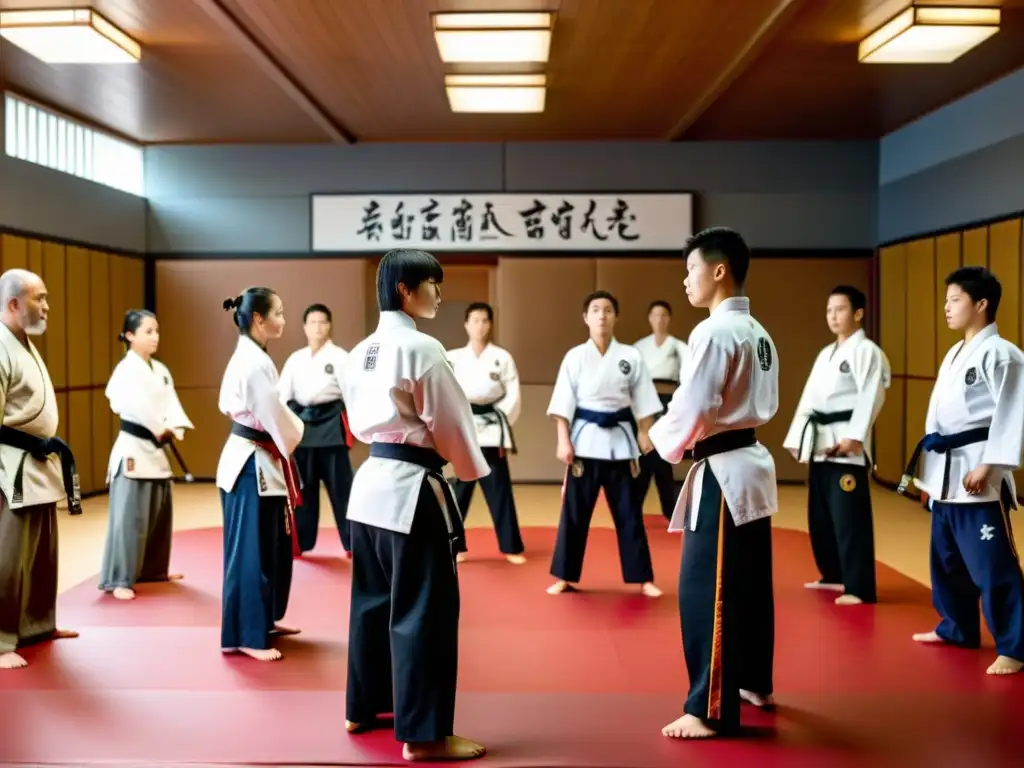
[(578, 680)]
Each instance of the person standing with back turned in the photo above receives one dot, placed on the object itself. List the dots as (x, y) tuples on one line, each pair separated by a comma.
[(731, 387), (405, 401)]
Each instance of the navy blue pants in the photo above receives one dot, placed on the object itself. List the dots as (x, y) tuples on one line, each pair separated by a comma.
[(578, 503), (403, 632), (257, 563), (972, 556), (331, 466), (652, 465), (497, 488)]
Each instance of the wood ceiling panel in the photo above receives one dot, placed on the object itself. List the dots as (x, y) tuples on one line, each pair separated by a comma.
[(808, 84), (189, 86)]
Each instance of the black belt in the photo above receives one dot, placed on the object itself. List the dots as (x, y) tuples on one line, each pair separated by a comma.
[(325, 423), (672, 382), (820, 419), (939, 443), (723, 442), (493, 415), (433, 463), (40, 449), (139, 431), (607, 420)]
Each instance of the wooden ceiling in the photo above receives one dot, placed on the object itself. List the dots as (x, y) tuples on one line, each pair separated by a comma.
[(368, 70)]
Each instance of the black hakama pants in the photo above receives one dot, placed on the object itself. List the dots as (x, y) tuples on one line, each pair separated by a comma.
[(257, 563), (841, 527), (653, 466), (403, 646), (973, 556), (331, 466), (28, 574), (578, 501), (497, 488), (727, 609)]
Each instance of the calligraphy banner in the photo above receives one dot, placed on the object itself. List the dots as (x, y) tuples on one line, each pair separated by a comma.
[(507, 223)]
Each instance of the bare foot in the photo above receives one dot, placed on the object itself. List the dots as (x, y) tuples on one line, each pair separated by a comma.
[(559, 587), (11, 660), (759, 701), (124, 593), (827, 586), (650, 590), (63, 634), (175, 577), (515, 559), (281, 629), (928, 637), (353, 727), (460, 558), (1005, 665), (849, 600), (688, 727), (267, 654), (452, 748)]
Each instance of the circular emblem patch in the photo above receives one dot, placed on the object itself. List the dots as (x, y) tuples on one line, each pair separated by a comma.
[(625, 367), (577, 468), (847, 483), (328, 369), (844, 366), (972, 376), (764, 354)]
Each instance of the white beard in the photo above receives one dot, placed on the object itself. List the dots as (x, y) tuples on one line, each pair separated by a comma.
[(36, 330)]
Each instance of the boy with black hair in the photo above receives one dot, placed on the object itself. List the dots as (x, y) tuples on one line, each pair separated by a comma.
[(973, 443), (831, 430), (730, 388), (603, 403)]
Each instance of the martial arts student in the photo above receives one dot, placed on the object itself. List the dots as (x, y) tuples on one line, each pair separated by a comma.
[(37, 470), (603, 403), (140, 523), (664, 355), (487, 374), (258, 482), (730, 388), (831, 430), (973, 442), (405, 401), (311, 386)]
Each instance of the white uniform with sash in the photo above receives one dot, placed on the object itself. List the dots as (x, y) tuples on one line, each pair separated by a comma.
[(841, 400), (603, 397), (664, 363), (726, 602), (140, 524), (405, 401), (491, 383), (975, 416), (311, 386), (259, 491), (32, 481)]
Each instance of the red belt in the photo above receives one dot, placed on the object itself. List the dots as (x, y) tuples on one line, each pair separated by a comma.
[(294, 498)]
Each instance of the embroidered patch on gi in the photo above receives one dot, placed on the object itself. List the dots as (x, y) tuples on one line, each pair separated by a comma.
[(167, 380), (329, 369), (130, 464), (764, 354), (844, 367), (577, 468), (370, 359), (971, 377), (263, 481), (625, 367), (847, 483)]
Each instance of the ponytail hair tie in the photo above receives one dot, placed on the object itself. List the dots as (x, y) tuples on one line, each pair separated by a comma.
[(232, 303)]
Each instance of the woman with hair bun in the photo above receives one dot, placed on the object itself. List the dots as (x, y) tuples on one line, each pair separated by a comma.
[(259, 487), (140, 391)]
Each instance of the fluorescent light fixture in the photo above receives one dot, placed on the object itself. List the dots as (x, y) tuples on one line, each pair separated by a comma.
[(496, 93), (929, 35), (71, 36), (483, 38)]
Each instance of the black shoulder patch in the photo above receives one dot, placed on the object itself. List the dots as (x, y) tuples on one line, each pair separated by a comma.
[(625, 367), (370, 358), (764, 354), (972, 376)]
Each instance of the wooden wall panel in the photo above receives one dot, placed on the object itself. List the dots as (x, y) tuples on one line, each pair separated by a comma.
[(15, 252), (892, 293), (79, 432), (889, 449), (79, 313), (947, 259), (99, 317), (1004, 260), (920, 308), (975, 247), (102, 436), (918, 393)]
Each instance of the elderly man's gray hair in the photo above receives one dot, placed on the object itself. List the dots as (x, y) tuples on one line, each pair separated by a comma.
[(12, 284)]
